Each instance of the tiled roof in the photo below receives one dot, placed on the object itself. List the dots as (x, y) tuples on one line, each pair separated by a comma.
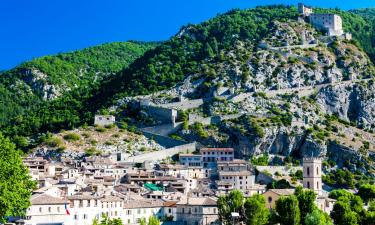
[(202, 201), (217, 149), (44, 199), (235, 173), (282, 191), (145, 203)]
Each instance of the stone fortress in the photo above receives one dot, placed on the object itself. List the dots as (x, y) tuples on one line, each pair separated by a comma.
[(330, 23)]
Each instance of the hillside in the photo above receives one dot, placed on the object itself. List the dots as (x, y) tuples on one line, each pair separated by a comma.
[(272, 90), (65, 77)]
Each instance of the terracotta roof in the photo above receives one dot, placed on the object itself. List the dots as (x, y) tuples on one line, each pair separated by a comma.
[(235, 173), (170, 203), (83, 197), (145, 203), (44, 199), (187, 155), (203, 201), (218, 149), (282, 191)]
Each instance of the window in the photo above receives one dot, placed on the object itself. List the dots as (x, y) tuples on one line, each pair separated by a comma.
[(40, 209), (58, 209), (317, 170), (308, 184), (308, 171), (84, 216), (270, 199), (317, 185), (49, 209), (128, 220), (139, 211), (75, 217)]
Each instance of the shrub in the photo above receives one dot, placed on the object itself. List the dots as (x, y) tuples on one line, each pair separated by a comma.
[(72, 137), (54, 142), (101, 129)]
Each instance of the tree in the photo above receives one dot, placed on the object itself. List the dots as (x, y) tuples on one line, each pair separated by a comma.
[(342, 213), (15, 182), (317, 217), (227, 204), (153, 221), (142, 221), (95, 221), (336, 194), (208, 50), (256, 212), (306, 201), (288, 210), (367, 192)]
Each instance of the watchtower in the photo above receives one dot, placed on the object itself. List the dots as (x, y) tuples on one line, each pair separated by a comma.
[(312, 174)]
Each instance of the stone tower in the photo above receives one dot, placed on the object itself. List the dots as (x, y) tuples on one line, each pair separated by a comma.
[(312, 174)]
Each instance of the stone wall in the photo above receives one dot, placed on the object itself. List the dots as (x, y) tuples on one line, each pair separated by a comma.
[(184, 105), (162, 114), (159, 155), (164, 130), (164, 141)]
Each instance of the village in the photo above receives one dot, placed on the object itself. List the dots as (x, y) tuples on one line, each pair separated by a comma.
[(179, 184)]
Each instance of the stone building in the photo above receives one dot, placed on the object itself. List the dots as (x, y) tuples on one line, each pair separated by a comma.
[(197, 211), (312, 174), (304, 10), (104, 120), (330, 23)]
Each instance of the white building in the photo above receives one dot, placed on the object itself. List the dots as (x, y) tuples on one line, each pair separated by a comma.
[(331, 23), (104, 120), (210, 156), (46, 209), (190, 160), (197, 211)]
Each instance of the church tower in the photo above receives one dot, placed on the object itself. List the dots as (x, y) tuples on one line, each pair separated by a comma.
[(312, 174)]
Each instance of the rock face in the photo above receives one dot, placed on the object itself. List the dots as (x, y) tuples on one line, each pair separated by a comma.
[(286, 87), (351, 102), (38, 82)]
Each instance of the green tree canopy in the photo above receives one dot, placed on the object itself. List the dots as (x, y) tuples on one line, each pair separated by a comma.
[(367, 192), (317, 217), (256, 212), (287, 209), (233, 202), (306, 201), (15, 182)]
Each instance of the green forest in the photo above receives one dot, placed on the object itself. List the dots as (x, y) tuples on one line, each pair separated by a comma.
[(94, 78)]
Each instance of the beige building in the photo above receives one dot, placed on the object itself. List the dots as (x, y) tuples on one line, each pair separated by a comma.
[(312, 174), (46, 209), (331, 23), (197, 211), (272, 195)]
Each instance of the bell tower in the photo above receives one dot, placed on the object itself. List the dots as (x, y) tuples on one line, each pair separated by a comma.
[(312, 174)]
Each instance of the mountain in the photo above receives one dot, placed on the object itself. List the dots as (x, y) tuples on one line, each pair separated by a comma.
[(271, 97), (56, 80)]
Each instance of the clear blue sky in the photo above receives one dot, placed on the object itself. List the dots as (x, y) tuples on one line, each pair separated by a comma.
[(33, 28)]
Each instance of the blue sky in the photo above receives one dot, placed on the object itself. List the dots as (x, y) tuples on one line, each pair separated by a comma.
[(33, 28)]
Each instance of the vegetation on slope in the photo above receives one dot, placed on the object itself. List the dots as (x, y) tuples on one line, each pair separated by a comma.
[(24, 111), (196, 49)]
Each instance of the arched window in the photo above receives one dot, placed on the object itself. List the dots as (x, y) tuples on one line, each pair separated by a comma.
[(308, 171), (317, 185), (308, 184), (270, 199), (317, 170)]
